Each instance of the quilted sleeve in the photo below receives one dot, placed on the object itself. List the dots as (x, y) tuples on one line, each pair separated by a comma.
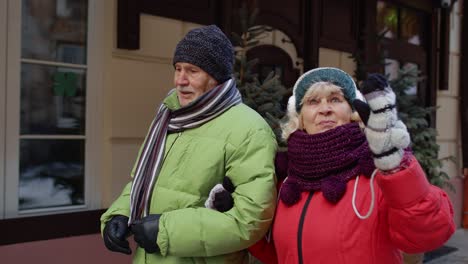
[(420, 215), (205, 232), (121, 206)]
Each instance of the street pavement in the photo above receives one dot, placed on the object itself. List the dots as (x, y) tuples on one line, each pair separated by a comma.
[(459, 240)]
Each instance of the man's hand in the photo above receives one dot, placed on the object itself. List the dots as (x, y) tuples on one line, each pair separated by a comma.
[(145, 232), (220, 197), (115, 234), (386, 134)]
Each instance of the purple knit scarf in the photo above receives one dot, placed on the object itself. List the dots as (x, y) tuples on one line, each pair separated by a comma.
[(325, 162)]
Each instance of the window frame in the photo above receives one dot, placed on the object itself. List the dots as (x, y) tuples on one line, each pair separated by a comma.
[(3, 46), (94, 83)]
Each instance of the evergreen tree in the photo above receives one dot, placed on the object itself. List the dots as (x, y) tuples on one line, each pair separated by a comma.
[(265, 96), (416, 117)]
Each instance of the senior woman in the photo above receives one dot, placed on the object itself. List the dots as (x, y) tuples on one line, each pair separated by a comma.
[(353, 192)]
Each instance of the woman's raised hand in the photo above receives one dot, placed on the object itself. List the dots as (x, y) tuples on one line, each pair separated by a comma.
[(386, 134)]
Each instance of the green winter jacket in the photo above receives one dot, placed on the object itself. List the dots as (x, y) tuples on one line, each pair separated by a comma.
[(238, 144)]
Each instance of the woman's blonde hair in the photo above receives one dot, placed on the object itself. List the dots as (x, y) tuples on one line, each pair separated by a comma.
[(293, 123)]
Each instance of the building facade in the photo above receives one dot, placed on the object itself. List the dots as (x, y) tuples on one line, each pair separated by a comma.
[(81, 81)]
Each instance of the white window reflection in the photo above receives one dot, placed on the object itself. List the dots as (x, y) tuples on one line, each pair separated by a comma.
[(413, 89), (51, 173), (411, 28), (50, 27), (391, 68)]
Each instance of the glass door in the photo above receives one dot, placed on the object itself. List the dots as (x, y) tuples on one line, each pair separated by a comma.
[(47, 105)]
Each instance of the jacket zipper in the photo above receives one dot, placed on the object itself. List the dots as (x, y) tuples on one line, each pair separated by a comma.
[(173, 142), (301, 225)]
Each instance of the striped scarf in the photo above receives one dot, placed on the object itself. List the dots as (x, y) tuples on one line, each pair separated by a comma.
[(203, 109)]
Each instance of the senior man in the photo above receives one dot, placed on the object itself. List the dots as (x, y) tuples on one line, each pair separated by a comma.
[(201, 133)]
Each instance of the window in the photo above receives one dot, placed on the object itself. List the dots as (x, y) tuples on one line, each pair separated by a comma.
[(391, 70), (407, 42), (401, 23), (272, 58), (50, 93)]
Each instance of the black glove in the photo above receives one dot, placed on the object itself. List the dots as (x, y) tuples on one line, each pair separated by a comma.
[(220, 197), (375, 82), (145, 232), (223, 200), (363, 110), (115, 234)]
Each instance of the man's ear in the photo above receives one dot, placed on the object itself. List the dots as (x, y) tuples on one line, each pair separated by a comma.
[(212, 83)]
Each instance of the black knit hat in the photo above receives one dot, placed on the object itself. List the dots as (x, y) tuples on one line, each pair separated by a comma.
[(208, 48)]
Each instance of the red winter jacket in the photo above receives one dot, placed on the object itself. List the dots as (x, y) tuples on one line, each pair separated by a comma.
[(409, 215)]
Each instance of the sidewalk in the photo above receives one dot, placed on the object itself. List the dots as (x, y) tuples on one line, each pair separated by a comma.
[(460, 241)]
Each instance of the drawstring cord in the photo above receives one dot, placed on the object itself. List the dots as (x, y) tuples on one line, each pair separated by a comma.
[(371, 208)]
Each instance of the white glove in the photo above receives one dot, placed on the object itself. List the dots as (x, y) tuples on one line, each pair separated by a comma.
[(386, 134)]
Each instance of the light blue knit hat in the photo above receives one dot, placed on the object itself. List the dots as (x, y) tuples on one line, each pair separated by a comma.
[(325, 74)]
